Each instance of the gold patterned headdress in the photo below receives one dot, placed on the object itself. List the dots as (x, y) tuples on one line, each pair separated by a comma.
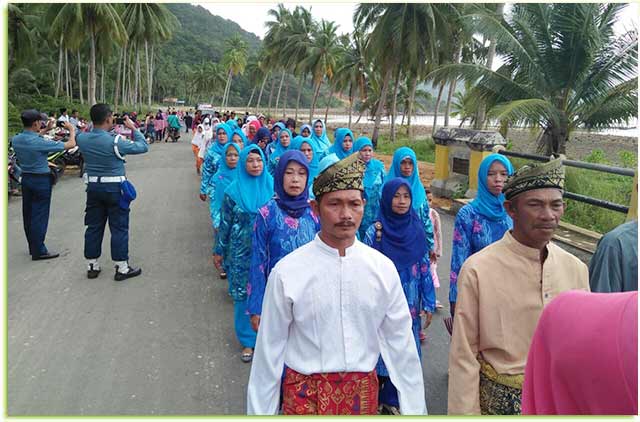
[(535, 176), (345, 174)]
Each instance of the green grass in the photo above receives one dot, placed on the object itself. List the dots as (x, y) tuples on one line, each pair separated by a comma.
[(424, 148), (598, 185)]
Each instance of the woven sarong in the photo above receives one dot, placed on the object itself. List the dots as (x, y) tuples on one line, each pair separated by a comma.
[(500, 394), (336, 393)]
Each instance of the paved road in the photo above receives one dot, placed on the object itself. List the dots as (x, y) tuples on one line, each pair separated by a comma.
[(159, 344)]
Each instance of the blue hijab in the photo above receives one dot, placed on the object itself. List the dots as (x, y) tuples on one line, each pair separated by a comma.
[(250, 192), (292, 205), (309, 128), (418, 195), (322, 142), (403, 238), (224, 176), (336, 148), (233, 124), (486, 203), (277, 124), (374, 166), (239, 132), (279, 149), (314, 164), (216, 146)]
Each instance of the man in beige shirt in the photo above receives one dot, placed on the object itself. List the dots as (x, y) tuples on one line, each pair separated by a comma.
[(502, 292)]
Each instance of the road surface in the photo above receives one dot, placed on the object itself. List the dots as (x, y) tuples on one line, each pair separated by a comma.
[(159, 344)]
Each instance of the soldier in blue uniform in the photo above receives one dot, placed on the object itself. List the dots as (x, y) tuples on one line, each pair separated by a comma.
[(32, 150), (106, 194)]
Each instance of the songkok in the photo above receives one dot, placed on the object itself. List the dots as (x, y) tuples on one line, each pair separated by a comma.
[(535, 176), (345, 174)]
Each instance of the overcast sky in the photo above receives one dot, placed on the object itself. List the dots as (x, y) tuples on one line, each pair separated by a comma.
[(252, 16)]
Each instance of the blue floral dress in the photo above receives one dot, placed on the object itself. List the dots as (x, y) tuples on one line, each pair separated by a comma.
[(372, 193), (275, 234), (233, 242), (472, 232), (209, 168), (418, 289)]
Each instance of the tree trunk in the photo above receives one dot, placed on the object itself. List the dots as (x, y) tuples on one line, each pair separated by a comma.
[(102, 79), (326, 110), (253, 91), (315, 98), (279, 91), (116, 90), (67, 83), (273, 86), (284, 100), (350, 103), (146, 58), (481, 115), (151, 77), (452, 87), (412, 99), (435, 112), (60, 58), (92, 70), (381, 104), (264, 81), (394, 107), (226, 90), (136, 89), (302, 78), (80, 79), (125, 58)]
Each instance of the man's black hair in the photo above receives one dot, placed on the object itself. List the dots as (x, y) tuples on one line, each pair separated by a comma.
[(290, 123), (28, 117), (63, 110), (99, 113), (74, 111)]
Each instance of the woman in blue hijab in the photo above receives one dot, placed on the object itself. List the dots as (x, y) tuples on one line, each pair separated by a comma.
[(212, 159), (481, 222), (262, 139), (319, 135), (222, 179), (405, 165), (239, 138), (373, 180), (275, 130), (306, 131), (282, 145), (284, 224), (305, 145), (343, 145), (400, 237), (251, 189)]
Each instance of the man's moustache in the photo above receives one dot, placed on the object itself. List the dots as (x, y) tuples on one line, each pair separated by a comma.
[(345, 224)]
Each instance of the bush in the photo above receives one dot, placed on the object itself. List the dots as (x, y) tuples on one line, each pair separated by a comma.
[(628, 159), (424, 148)]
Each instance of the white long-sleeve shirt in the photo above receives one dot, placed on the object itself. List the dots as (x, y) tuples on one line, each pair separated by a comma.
[(325, 313)]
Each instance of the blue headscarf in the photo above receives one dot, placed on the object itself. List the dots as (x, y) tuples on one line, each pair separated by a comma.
[(418, 195), (279, 149), (374, 166), (277, 124), (239, 132), (224, 176), (292, 205), (322, 142), (486, 203), (233, 124), (216, 146), (403, 238), (296, 144), (309, 128), (336, 148), (250, 192)]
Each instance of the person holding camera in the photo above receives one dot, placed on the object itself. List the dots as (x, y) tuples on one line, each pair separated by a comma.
[(31, 150), (108, 190)]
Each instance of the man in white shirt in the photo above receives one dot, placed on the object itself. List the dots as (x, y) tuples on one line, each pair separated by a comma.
[(330, 309)]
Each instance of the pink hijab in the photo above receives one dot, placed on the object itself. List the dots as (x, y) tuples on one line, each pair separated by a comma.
[(583, 358)]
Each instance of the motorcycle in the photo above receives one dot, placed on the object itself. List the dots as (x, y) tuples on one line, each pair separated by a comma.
[(15, 173), (58, 161)]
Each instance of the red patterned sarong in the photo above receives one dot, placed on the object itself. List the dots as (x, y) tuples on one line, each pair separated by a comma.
[(335, 393)]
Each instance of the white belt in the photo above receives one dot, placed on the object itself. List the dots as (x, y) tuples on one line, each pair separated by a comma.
[(106, 179)]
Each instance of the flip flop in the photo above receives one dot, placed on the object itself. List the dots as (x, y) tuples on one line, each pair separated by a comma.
[(246, 357)]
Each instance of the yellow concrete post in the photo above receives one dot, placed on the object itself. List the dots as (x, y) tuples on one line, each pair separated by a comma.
[(633, 206), (442, 162), (474, 164)]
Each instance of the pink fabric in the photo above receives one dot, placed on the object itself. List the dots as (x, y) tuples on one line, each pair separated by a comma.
[(437, 237), (256, 124), (434, 275), (583, 358)]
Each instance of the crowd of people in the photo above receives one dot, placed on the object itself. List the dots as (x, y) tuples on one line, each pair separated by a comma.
[(274, 216), (330, 260)]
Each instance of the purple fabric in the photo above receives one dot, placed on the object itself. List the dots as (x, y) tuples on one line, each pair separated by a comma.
[(403, 237), (292, 205)]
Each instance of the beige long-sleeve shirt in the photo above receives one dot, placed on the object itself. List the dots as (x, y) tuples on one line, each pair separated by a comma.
[(502, 292)]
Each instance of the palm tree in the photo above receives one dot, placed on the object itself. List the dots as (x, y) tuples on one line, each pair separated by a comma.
[(321, 60), (20, 33), (235, 60), (352, 68), (564, 68)]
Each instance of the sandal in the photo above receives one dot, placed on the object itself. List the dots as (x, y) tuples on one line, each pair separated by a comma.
[(223, 276), (246, 357)]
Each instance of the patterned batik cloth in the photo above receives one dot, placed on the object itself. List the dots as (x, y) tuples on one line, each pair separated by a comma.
[(500, 394), (346, 174), (472, 232), (336, 393)]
